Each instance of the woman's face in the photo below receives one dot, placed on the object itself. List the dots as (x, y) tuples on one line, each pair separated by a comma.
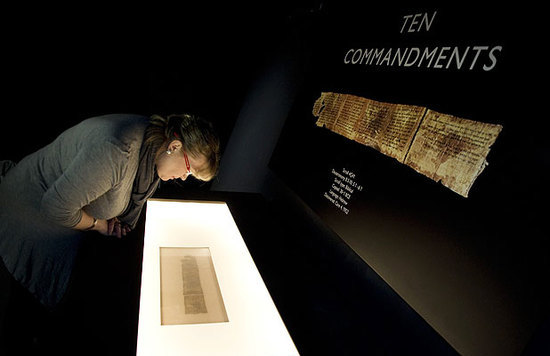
[(171, 162)]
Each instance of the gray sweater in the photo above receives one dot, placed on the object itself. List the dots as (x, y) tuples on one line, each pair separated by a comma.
[(90, 167)]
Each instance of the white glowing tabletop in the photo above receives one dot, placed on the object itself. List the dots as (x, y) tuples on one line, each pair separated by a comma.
[(253, 327)]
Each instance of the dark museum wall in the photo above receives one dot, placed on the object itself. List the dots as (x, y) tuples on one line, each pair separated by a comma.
[(58, 69), (475, 269)]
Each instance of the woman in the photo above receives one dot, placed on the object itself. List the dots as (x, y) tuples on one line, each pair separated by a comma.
[(95, 176)]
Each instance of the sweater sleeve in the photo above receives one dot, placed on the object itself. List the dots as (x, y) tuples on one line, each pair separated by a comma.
[(96, 168)]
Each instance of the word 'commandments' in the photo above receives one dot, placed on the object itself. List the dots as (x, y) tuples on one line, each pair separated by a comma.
[(474, 56)]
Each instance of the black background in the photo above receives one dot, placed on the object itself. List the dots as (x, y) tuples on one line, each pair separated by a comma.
[(62, 65)]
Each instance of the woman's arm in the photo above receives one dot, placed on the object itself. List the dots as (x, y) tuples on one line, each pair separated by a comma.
[(111, 227), (87, 223), (92, 173)]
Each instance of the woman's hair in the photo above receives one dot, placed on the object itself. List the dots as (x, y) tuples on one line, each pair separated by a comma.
[(196, 134)]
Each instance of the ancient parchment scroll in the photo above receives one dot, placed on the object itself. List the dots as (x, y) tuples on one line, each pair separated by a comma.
[(452, 150), (443, 147)]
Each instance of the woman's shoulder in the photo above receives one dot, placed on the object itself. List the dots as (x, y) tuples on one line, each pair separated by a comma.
[(118, 122), (125, 130)]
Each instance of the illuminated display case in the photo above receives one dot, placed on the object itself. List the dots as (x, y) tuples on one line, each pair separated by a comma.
[(201, 293)]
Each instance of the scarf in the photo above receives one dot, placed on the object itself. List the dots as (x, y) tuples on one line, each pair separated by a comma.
[(145, 184)]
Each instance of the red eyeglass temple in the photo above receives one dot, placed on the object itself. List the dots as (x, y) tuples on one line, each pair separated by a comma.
[(187, 162), (184, 155)]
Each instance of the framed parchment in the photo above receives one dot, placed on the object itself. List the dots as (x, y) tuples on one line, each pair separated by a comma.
[(189, 289)]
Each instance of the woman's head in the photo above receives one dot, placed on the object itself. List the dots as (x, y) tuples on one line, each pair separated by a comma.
[(186, 143)]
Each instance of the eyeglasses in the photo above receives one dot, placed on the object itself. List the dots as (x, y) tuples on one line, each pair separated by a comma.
[(187, 165)]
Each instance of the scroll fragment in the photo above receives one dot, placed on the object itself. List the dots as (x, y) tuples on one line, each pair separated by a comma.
[(442, 147), (192, 290), (189, 289)]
